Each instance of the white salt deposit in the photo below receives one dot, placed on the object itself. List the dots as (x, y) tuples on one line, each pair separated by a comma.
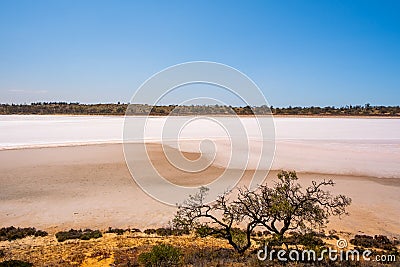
[(352, 146)]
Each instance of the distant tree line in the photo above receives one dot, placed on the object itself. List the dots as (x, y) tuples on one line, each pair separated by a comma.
[(74, 108), (48, 108), (349, 110)]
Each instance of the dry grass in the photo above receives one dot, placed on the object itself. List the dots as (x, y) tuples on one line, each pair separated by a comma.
[(123, 250), (111, 248)]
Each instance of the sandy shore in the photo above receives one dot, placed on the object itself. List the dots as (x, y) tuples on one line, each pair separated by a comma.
[(90, 186)]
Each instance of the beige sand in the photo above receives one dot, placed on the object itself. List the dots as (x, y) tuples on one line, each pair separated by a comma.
[(90, 186)]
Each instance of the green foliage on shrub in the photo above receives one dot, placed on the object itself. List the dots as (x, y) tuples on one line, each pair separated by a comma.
[(164, 231), (167, 231), (170, 231), (119, 231), (150, 231), (15, 263), (89, 234), (78, 234), (239, 236), (203, 231), (12, 233), (308, 240), (378, 241), (116, 231), (162, 255)]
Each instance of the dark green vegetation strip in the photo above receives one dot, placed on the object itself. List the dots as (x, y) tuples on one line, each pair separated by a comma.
[(48, 108), (12, 233)]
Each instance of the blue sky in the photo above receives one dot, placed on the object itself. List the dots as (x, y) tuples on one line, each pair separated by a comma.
[(298, 52)]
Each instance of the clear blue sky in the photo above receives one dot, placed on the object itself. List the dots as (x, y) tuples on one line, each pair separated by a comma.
[(298, 52)]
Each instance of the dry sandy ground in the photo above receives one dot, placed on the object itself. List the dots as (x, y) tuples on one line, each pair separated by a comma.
[(90, 186)]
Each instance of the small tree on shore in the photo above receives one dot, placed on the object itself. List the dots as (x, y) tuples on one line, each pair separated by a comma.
[(219, 218), (280, 208), (285, 206)]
